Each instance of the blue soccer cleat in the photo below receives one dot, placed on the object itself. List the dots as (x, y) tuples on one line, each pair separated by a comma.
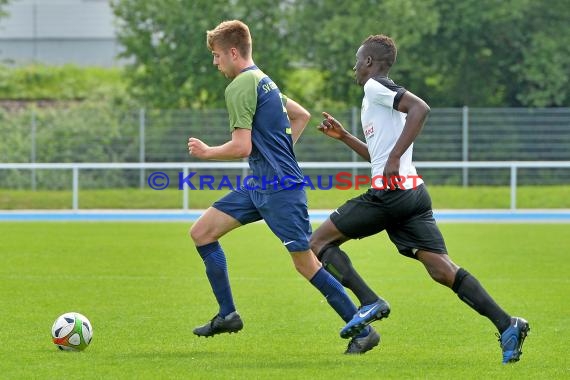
[(364, 316), (512, 339)]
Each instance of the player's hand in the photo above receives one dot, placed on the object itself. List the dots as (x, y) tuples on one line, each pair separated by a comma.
[(331, 127), (392, 173), (197, 148)]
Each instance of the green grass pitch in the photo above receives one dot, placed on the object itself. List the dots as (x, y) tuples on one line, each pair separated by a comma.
[(143, 287)]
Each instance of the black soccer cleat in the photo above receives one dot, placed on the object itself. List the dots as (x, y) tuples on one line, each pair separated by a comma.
[(232, 323), (358, 346)]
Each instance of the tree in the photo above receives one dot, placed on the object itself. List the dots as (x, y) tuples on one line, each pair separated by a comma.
[(170, 66), (327, 35), (491, 53), (165, 42), (543, 73), (481, 53), (3, 4)]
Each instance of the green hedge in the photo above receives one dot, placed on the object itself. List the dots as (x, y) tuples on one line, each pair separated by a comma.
[(85, 132), (62, 83), (78, 116)]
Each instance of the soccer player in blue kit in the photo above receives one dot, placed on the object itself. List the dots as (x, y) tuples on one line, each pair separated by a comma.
[(264, 125), (392, 118)]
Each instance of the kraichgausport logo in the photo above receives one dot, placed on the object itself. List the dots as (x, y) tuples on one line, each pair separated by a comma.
[(339, 181)]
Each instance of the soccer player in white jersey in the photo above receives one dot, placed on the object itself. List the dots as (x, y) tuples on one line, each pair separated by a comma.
[(392, 118)]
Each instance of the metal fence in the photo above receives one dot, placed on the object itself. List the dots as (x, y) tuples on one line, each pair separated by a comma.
[(83, 135)]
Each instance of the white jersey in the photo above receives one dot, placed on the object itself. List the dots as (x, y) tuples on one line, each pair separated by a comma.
[(383, 124)]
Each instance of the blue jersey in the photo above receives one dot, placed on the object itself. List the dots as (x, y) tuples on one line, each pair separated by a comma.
[(255, 102)]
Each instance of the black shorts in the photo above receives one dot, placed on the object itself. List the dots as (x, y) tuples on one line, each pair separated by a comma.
[(406, 215)]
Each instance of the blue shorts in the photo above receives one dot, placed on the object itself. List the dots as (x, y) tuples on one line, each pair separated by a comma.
[(285, 212)]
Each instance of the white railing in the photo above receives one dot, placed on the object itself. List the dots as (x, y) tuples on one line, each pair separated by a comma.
[(186, 166)]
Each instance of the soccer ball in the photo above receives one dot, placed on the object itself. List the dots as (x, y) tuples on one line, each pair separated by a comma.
[(72, 332)]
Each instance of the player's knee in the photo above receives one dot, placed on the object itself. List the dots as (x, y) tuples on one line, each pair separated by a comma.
[(305, 263), (319, 247), (315, 246), (193, 233), (437, 276), (300, 267), (313, 239), (440, 268), (198, 234), (324, 236), (442, 275)]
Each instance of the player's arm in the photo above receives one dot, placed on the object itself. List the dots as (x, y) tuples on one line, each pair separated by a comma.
[(417, 112), (241, 101), (298, 117), (238, 147), (333, 128)]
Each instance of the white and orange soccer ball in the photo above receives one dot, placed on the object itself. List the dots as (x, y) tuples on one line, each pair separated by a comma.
[(72, 332)]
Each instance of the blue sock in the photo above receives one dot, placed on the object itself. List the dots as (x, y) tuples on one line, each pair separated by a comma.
[(217, 272), (334, 293)]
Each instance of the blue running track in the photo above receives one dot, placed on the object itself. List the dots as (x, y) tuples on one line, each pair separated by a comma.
[(455, 216)]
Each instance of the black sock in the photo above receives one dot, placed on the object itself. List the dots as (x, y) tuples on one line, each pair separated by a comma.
[(470, 291), (337, 263)]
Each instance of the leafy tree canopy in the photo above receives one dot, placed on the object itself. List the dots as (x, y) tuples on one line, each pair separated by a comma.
[(452, 53)]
